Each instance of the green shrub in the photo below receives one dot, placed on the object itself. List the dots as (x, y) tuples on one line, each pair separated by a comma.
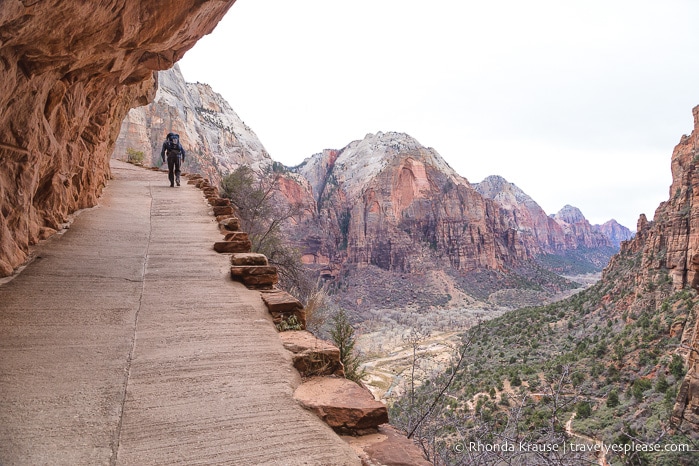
[(676, 366), (134, 156)]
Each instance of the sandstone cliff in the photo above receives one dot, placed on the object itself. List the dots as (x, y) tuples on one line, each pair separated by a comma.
[(69, 73), (657, 262), (215, 138), (389, 202)]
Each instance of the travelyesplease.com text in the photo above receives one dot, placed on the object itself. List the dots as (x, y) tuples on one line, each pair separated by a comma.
[(623, 448)]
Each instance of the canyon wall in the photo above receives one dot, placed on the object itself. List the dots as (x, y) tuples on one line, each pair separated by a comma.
[(668, 246), (69, 73), (215, 138)]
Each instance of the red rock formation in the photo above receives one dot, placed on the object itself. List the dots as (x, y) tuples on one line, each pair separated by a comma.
[(69, 72), (387, 201), (668, 244)]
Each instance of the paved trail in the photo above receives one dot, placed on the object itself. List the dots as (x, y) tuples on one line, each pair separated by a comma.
[(125, 343)]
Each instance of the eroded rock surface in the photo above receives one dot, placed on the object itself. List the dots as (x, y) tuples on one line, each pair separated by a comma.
[(69, 73)]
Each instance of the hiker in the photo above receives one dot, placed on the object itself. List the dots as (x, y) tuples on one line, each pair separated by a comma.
[(175, 156)]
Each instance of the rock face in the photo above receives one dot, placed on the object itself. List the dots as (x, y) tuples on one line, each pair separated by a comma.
[(389, 202), (69, 73), (537, 230), (215, 138), (668, 246), (386, 201)]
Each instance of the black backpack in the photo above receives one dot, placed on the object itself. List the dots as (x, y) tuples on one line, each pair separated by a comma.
[(172, 145)]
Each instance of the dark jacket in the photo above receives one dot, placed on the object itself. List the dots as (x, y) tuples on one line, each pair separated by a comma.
[(172, 150)]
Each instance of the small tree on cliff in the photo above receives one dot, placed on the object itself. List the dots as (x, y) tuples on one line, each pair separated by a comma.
[(342, 335)]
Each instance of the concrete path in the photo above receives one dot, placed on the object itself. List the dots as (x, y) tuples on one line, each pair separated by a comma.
[(126, 343)]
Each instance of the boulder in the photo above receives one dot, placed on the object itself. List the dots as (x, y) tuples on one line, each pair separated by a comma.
[(387, 447), (311, 355), (342, 404)]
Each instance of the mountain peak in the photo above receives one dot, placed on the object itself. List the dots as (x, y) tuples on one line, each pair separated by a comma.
[(361, 161), (498, 188), (570, 214)]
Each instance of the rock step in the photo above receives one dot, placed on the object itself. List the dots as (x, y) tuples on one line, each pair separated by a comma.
[(256, 277), (233, 246), (223, 210), (282, 306), (311, 355), (219, 201), (342, 404), (248, 258), (238, 236), (228, 223)]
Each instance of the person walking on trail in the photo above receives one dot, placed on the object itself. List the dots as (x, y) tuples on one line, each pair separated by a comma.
[(175, 156)]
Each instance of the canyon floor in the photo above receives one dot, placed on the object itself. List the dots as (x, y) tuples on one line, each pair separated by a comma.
[(124, 341), (400, 345)]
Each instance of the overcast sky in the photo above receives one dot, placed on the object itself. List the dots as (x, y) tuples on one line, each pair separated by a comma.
[(575, 102)]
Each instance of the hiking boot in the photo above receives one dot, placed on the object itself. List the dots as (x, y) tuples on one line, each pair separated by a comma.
[(178, 182), (172, 185)]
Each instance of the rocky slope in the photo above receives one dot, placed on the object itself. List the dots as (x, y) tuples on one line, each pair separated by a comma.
[(69, 73), (215, 138), (625, 351), (526, 216)]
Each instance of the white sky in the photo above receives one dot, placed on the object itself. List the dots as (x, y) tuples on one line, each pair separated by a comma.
[(576, 102)]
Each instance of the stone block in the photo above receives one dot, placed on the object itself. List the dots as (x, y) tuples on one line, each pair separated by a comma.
[(311, 355), (236, 236), (255, 277), (342, 404), (219, 201), (232, 246), (249, 258), (281, 301), (282, 306), (223, 210), (229, 224)]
